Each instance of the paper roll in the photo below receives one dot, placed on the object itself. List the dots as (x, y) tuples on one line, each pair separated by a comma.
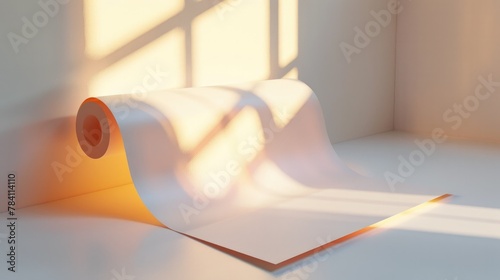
[(97, 130), (248, 168)]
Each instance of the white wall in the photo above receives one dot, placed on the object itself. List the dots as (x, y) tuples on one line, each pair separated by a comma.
[(96, 47), (442, 48), (357, 97)]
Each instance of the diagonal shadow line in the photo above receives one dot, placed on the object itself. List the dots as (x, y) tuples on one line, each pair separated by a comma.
[(280, 72), (275, 69), (274, 37), (182, 20), (228, 116), (188, 56)]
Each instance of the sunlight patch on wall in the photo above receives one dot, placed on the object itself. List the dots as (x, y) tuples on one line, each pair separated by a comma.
[(292, 74), (233, 48), (110, 24), (158, 65)]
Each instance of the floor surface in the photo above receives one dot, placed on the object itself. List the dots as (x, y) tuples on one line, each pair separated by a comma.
[(87, 237)]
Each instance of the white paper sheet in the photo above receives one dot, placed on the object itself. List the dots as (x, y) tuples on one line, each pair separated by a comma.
[(248, 168)]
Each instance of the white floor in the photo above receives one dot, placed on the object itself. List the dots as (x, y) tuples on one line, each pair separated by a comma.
[(87, 237)]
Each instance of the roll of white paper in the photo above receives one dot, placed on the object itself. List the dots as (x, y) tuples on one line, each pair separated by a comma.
[(248, 168)]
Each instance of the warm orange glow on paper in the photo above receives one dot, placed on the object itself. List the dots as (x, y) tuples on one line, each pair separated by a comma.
[(126, 205)]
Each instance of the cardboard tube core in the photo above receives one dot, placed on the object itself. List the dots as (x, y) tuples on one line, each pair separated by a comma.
[(96, 129), (92, 130)]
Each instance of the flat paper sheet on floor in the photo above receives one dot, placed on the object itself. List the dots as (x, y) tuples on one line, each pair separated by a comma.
[(248, 168)]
